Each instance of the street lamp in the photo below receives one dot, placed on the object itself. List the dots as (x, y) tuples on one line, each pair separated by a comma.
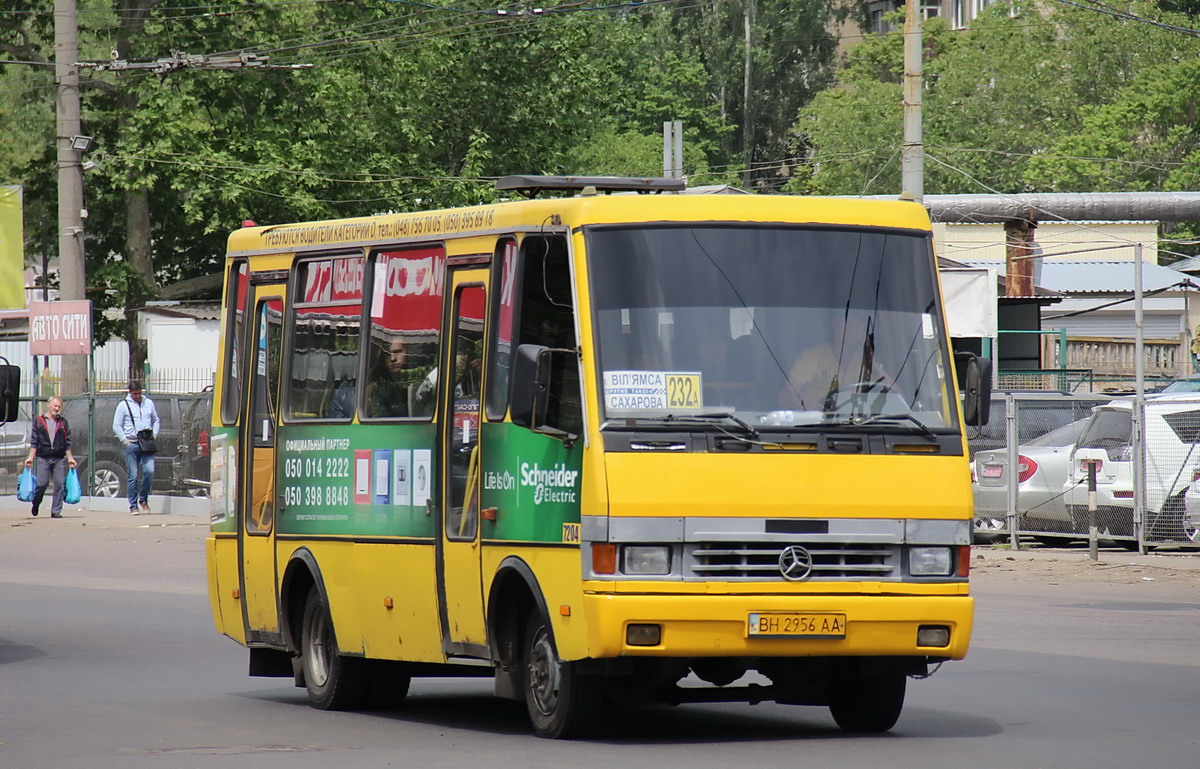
[(81, 143)]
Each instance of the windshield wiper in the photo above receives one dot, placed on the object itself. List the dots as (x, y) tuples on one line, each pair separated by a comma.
[(714, 417), (883, 418)]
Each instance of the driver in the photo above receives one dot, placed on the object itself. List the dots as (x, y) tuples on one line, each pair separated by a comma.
[(844, 357), (811, 379)]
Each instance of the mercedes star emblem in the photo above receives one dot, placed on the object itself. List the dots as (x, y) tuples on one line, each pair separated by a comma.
[(795, 563)]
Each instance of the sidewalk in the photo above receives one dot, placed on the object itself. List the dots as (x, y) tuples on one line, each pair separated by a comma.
[(103, 513), (1175, 559)]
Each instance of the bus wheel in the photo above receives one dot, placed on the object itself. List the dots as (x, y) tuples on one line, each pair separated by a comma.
[(561, 702), (868, 702), (389, 684), (334, 682)]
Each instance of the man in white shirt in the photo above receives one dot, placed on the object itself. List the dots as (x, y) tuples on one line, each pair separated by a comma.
[(135, 417)]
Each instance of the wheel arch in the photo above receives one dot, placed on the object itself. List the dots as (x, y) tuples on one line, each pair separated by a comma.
[(513, 595), (301, 575)]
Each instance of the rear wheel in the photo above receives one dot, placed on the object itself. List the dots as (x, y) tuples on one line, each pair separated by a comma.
[(108, 480), (868, 702), (561, 702), (333, 681)]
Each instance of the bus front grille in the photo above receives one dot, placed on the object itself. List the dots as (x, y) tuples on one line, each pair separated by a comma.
[(760, 561)]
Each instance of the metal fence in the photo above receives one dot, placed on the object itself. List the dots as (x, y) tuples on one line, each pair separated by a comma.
[(1060, 380), (183, 399), (1143, 485)]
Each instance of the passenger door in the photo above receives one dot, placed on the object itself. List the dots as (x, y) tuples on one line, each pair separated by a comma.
[(460, 393), (256, 530)]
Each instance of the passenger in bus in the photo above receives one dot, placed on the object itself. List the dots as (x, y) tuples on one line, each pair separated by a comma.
[(399, 366), (468, 366), (341, 405)]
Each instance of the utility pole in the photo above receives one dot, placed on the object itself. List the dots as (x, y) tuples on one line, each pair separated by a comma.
[(912, 152), (749, 11), (72, 276), (673, 149), (1139, 404)]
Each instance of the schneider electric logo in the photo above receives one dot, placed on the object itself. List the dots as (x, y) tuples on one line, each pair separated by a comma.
[(554, 485)]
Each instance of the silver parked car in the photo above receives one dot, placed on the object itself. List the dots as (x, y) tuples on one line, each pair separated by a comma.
[(1042, 470)]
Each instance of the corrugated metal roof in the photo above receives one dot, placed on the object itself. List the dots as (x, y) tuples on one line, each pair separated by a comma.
[(1095, 277), (1190, 265), (197, 310)]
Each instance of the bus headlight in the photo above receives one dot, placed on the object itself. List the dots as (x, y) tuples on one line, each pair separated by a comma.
[(646, 559), (929, 561)]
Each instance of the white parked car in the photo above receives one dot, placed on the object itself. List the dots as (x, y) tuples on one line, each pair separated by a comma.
[(1191, 509), (1172, 453), (1042, 470)]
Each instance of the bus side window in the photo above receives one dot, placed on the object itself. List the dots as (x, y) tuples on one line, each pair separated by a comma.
[(504, 278), (406, 321), (547, 317), (325, 338), (235, 323)]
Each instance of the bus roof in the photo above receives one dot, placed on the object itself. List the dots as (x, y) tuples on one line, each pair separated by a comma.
[(533, 215)]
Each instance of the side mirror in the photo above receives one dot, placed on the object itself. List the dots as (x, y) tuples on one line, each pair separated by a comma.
[(10, 391), (545, 392), (525, 385), (975, 381)]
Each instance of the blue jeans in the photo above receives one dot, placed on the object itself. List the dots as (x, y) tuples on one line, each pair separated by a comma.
[(135, 460)]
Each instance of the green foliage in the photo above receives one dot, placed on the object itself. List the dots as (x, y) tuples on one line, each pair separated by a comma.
[(1046, 98), (1145, 139), (792, 56)]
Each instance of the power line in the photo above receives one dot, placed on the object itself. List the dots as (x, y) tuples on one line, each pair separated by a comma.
[(1099, 7), (179, 60)]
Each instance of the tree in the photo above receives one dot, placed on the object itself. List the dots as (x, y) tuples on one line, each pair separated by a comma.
[(764, 59), (997, 97)]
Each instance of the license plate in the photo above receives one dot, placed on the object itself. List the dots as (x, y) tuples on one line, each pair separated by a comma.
[(993, 471), (795, 624)]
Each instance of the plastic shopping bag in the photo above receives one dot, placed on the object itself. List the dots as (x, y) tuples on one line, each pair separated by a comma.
[(74, 492), (26, 485)]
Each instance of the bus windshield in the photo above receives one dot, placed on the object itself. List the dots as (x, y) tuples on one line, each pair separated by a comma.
[(777, 326)]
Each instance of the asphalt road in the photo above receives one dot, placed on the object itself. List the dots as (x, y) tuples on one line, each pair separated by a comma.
[(108, 660)]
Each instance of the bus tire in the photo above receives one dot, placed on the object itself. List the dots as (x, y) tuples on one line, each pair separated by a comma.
[(389, 684), (868, 702), (561, 702), (333, 681)]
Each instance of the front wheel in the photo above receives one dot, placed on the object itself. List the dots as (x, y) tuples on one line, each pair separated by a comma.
[(561, 702), (334, 682), (868, 702)]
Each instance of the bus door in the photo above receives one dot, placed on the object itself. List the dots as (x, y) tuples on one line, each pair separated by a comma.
[(256, 530), (460, 393)]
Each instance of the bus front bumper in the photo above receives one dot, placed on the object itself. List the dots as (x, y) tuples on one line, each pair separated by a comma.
[(777, 625)]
